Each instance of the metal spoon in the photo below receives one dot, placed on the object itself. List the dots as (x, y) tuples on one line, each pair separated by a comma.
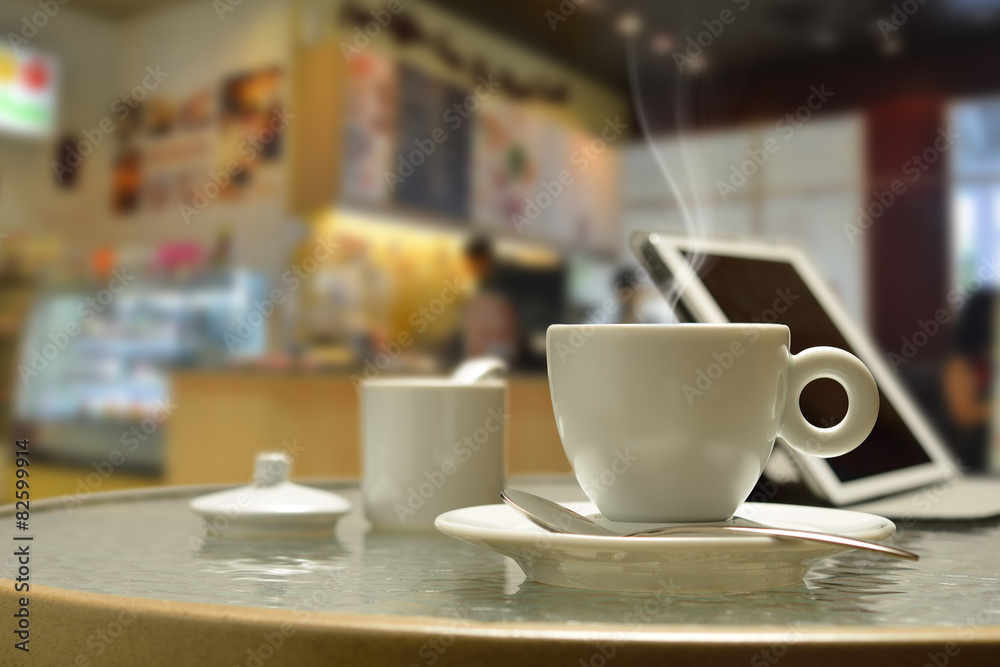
[(559, 519)]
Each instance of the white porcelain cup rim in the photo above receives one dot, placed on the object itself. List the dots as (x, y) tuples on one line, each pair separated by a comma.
[(477, 372), (478, 369), (431, 382), (664, 326)]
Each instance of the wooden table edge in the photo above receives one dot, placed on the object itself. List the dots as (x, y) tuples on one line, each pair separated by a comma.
[(67, 624)]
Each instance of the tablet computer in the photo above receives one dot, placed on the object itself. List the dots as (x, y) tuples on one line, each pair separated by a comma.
[(751, 281)]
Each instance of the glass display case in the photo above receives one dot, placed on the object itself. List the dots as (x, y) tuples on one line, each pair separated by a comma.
[(92, 375)]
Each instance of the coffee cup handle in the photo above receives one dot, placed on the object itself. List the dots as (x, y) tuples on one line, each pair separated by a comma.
[(862, 398)]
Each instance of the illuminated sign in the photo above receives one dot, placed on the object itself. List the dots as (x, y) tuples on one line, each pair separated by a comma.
[(27, 92)]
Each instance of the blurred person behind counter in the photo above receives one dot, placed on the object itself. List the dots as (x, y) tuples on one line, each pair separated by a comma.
[(968, 380), (489, 322)]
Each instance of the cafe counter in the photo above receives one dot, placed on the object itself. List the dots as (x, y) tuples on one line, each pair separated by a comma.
[(221, 418)]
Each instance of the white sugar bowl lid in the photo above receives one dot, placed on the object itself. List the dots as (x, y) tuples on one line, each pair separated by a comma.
[(271, 505)]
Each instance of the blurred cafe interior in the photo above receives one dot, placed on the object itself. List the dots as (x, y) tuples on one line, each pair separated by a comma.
[(217, 218)]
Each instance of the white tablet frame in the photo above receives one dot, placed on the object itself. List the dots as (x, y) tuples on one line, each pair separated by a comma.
[(699, 301)]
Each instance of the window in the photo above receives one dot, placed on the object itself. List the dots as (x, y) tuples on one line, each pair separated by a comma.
[(975, 192)]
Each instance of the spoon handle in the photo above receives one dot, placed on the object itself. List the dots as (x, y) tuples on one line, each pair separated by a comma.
[(786, 533)]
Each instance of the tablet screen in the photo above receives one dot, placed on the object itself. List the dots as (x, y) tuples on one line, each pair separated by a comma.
[(755, 290)]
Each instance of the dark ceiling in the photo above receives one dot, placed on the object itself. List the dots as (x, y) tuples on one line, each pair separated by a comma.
[(762, 34), (758, 63)]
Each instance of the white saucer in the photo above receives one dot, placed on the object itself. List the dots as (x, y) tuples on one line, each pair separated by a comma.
[(672, 564)]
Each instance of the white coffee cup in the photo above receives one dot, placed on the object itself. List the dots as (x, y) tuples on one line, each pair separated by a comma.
[(674, 422), (430, 445)]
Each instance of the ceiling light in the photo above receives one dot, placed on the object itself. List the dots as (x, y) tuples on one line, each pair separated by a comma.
[(663, 43), (696, 65), (629, 24), (595, 6)]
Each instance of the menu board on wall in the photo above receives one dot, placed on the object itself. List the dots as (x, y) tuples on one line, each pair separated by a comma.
[(369, 127), (430, 170), (505, 165), (542, 179), (413, 140)]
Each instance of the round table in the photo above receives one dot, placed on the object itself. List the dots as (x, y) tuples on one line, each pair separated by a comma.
[(132, 578)]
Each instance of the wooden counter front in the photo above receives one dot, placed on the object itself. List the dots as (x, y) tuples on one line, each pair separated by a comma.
[(223, 418)]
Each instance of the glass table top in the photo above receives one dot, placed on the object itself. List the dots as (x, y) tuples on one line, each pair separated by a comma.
[(150, 545)]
